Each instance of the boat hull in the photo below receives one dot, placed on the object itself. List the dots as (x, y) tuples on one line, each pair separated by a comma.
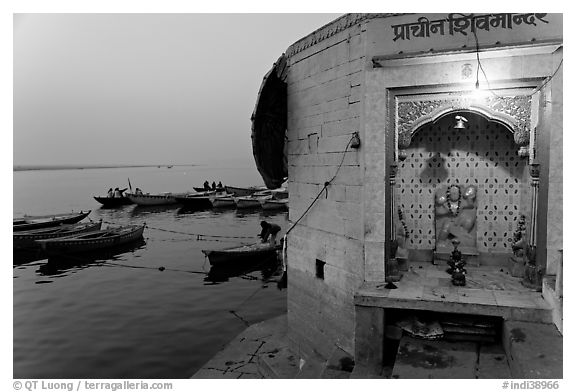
[(241, 254), (247, 202), (223, 202), (195, 202), (39, 222), (102, 239), (277, 205), (113, 201), (242, 191), (152, 200), (27, 239)]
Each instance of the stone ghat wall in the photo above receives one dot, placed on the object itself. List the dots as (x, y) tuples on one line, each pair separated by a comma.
[(483, 155), (324, 110)]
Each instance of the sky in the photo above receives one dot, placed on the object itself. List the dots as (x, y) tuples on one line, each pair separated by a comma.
[(106, 89)]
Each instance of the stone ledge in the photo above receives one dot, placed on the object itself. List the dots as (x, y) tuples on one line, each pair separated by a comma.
[(534, 350)]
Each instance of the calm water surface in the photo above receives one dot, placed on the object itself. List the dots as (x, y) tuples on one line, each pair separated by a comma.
[(115, 314)]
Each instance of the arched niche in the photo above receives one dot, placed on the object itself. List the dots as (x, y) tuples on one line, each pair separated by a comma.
[(517, 112)]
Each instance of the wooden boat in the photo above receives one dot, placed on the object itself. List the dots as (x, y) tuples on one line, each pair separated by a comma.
[(40, 221), (202, 189), (113, 201), (254, 200), (27, 239), (273, 204), (279, 194), (238, 254), (101, 239), (153, 200), (223, 202), (197, 201), (243, 191)]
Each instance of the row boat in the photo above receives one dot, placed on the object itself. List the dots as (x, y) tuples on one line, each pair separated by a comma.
[(200, 200), (101, 239), (223, 202), (239, 254), (148, 199), (273, 204), (243, 191), (113, 201), (40, 221), (202, 189), (27, 239)]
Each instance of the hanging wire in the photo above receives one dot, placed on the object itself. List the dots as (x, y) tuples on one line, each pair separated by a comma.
[(199, 236), (326, 184), (549, 78), (481, 68)]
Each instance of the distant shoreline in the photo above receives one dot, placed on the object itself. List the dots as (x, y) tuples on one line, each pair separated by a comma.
[(87, 167)]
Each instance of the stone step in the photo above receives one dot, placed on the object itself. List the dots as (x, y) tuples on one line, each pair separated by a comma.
[(534, 350)]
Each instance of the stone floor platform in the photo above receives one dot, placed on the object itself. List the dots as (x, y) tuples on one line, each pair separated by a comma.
[(241, 357), (489, 291), (439, 359)]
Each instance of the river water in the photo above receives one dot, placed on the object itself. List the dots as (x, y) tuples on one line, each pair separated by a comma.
[(119, 314)]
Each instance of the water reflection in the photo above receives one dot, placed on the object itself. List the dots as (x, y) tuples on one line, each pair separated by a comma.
[(139, 211), (56, 265), (25, 256)]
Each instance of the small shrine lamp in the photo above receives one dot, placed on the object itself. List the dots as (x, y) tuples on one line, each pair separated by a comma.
[(460, 122), (355, 141)]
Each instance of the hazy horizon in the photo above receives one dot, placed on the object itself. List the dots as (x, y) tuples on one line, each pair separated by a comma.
[(143, 89)]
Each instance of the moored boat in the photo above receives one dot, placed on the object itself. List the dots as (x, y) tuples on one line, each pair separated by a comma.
[(223, 202), (236, 191), (101, 239), (273, 204), (254, 200), (147, 199), (238, 254), (202, 189), (197, 201), (29, 222), (113, 201), (27, 239), (247, 202)]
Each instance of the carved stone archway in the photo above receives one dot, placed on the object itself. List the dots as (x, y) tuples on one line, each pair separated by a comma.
[(517, 110)]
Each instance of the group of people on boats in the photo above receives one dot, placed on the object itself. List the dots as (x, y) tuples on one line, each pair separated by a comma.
[(214, 186), (117, 192)]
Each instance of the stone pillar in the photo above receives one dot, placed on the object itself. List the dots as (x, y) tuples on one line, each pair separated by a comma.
[(369, 338), (534, 183), (393, 172)]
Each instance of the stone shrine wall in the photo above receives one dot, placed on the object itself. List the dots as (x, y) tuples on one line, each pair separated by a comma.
[(324, 110)]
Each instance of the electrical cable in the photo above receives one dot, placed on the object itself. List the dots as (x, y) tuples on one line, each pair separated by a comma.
[(326, 184)]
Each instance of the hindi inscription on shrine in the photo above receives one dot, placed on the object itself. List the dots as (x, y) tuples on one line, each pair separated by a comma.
[(464, 24)]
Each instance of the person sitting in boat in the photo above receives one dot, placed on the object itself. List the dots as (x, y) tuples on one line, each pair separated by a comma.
[(269, 230), (220, 186), (110, 193), (206, 185), (138, 191), (213, 185)]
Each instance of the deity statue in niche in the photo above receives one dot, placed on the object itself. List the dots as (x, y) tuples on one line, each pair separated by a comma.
[(455, 218)]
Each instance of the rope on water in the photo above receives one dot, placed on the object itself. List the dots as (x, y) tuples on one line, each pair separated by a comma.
[(199, 236)]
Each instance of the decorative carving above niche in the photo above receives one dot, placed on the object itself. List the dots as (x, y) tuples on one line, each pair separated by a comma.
[(514, 111)]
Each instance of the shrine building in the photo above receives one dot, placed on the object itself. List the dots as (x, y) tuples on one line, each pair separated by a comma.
[(403, 137)]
